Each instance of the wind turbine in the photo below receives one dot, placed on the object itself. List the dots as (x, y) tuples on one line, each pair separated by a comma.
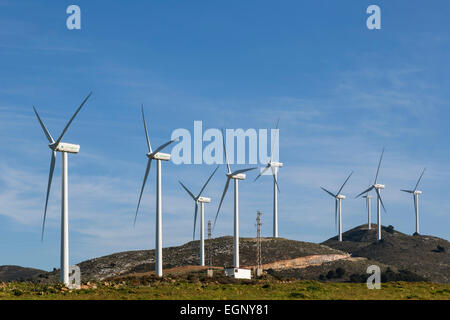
[(337, 204), (273, 165), (202, 200), (236, 176), (158, 156), (415, 194), (64, 148), (367, 196), (380, 203)]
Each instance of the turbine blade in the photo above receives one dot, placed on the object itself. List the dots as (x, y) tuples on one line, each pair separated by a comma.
[(379, 164), (243, 170), (345, 183), (164, 145), (273, 144), (381, 200), (417, 184), (188, 191), (409, 191), (50, 177), (262, 172), (149, 164), (221, 200), (47, 134), (365, 191), (71, 119), (146, 131), (225, 151), (330, 193), (275, 178), (207, 181), (195, 220)]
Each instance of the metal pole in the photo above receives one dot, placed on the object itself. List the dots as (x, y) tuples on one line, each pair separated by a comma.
[(379, 216), (236, 224), (275, 210), (340, 220), (417, 213), (158, 242), (64, 274), (368, 212), (202, 234)]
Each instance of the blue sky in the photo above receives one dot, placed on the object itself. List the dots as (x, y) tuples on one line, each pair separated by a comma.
[(341, 91)]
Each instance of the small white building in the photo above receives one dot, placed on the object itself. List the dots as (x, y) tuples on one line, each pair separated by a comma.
[(238, 273)]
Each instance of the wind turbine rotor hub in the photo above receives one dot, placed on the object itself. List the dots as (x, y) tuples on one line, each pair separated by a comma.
[(379, 186), (239, 176), (204, 199), (159, 156), (340, 196), (276, 164), (65, 147), (417, 192)]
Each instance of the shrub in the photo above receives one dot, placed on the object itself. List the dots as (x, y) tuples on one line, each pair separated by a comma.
[(440, 249), (390, 229), (340, 272), (331, 274)]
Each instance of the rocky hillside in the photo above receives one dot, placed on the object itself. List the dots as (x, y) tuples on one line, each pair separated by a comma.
[(423, 255), (16, 273), (188, 254)]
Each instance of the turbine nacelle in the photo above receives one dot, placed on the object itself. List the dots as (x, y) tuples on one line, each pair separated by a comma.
[(65, 147), (340, 196), (417, 192), (159, 156), (204, 199), (379, 186), (275, 164), (238, 176)]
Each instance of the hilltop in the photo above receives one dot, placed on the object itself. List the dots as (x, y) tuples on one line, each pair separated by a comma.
[(141, 261), (400, 257), (17, 273), (424, 255)]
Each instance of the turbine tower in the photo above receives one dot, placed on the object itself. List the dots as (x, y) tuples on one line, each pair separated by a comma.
[(202, 200), (367, 196), (273, 165), (338, 205), (236, 176), (158, 156), (380, 203), (415, 194), (64, 148)]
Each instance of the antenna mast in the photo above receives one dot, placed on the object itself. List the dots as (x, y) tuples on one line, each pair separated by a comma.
[(210, 243), (258, 244)]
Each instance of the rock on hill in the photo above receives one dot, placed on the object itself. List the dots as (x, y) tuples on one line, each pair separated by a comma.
[(273, 249), (424, 255), (16, 273)]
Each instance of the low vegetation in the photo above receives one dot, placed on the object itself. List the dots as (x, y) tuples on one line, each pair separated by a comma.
[(168, 289)]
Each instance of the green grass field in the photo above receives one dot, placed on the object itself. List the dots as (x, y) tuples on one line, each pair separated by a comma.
[(199, 291)]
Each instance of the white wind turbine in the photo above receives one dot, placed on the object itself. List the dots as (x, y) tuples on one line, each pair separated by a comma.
[(368, 197), (273, 165), (64, 148), (202, 200), (338, 205), (158, 156), (415, 194), (380, 203), (236, 176)]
